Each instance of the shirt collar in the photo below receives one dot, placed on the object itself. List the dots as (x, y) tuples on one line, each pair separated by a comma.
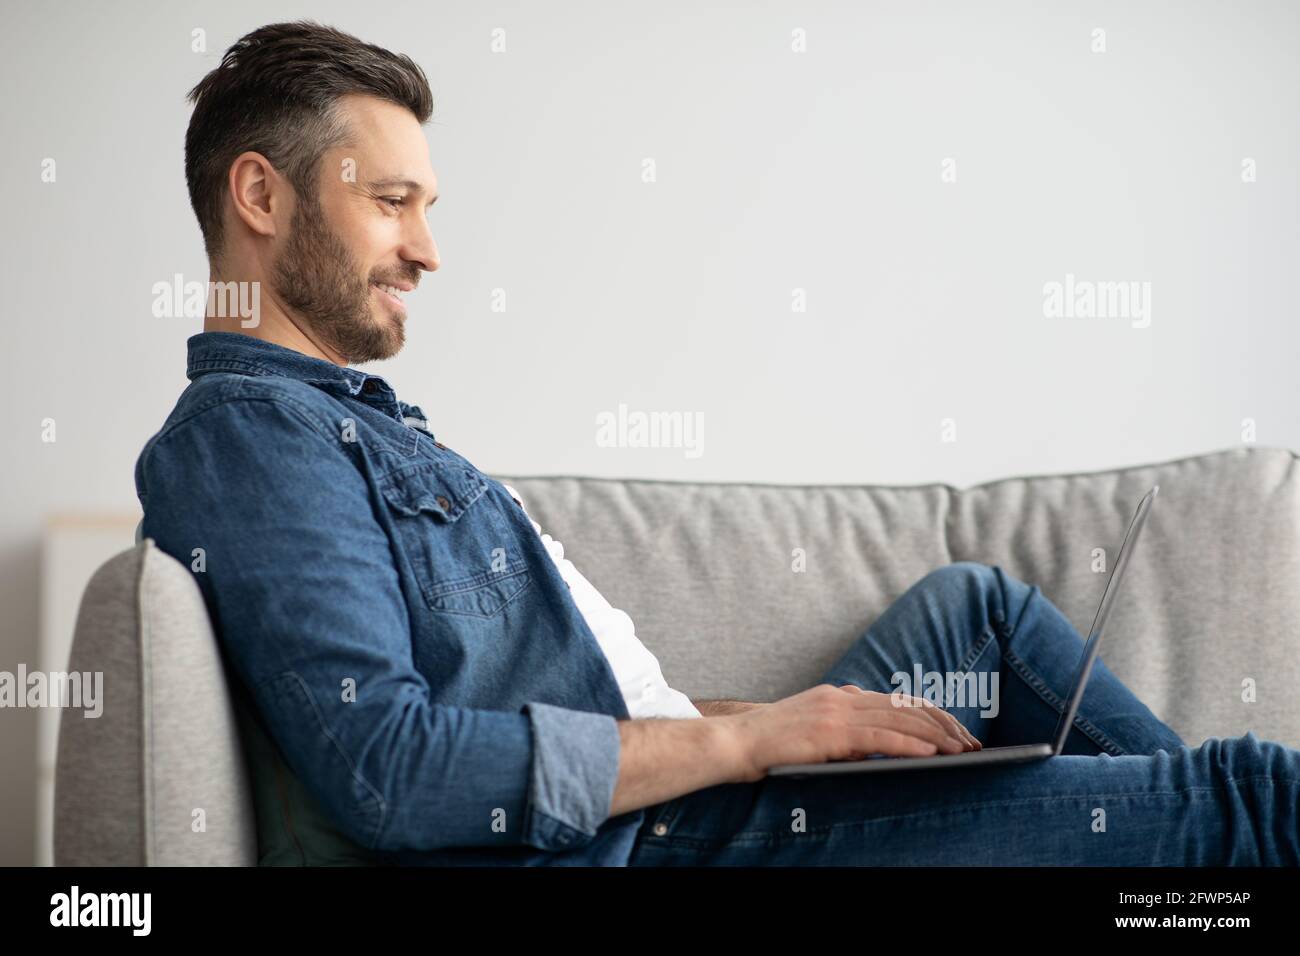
[(246, 355)]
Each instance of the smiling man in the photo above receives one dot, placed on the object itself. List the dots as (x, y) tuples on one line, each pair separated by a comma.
[(335, 229), (421, 675)]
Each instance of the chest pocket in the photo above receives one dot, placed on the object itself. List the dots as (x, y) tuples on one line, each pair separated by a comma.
[(461, 549)]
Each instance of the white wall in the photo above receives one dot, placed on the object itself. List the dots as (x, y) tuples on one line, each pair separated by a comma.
[(776, 171)]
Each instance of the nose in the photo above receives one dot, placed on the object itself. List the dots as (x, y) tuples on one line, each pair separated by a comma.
[(419, 246)]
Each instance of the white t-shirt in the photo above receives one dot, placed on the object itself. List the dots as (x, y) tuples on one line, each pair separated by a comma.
[(639, 678)]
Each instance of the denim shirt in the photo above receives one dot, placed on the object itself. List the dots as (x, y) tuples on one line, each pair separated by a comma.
[(408, 643)]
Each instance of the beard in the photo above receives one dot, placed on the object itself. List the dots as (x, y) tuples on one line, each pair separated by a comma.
[(317, 277)]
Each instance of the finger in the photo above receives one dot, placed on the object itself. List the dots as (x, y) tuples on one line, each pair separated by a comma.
[(917, 725), (948, 720), (974, 741), (875, 740)]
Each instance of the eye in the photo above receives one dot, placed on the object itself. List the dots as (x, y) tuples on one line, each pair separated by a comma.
[(394, 200)]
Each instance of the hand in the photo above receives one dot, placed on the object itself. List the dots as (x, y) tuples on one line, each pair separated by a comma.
[(967, 737), (827, 723)]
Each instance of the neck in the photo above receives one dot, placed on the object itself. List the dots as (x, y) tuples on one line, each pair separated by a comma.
[(260, 316)]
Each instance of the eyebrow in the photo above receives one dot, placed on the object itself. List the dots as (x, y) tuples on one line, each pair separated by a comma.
[(394, 182)]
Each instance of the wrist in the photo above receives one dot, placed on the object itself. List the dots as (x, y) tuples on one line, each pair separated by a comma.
[(732, 749)]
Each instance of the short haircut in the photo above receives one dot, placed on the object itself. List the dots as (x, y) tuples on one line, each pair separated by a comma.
[(275, 93)]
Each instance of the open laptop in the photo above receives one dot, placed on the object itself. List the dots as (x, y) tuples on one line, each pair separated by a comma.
[(1021, 752)]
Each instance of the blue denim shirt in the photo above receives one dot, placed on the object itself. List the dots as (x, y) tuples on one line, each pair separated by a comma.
[(408, 642)]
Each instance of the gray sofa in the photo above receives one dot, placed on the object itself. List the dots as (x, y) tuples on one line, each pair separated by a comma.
[(704, 569)]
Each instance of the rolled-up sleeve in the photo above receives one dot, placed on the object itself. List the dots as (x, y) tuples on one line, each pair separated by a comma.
[(574, 773), (280, 529)]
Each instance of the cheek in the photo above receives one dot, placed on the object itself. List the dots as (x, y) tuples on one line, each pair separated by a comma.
[(368, 239)]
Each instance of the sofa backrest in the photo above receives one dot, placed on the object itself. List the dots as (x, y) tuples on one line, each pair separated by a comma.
[(1210, 610)]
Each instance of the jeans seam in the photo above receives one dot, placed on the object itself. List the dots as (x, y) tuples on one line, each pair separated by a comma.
[(977, 649), (1039, 686)]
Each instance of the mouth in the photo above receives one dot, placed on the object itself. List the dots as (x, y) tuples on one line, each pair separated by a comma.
[(391, 293)]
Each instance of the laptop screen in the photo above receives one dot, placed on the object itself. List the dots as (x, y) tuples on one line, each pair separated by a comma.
[(1099, 622)]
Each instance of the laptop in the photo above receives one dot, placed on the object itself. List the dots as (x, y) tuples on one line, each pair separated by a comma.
[(1021, 753)]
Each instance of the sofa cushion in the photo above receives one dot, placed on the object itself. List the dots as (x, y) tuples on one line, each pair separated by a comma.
[(1211, 605)]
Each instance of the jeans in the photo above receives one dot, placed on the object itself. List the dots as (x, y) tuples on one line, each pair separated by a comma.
[(1125, 791)]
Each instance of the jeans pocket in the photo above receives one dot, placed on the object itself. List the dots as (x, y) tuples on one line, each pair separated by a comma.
[(661, 817)]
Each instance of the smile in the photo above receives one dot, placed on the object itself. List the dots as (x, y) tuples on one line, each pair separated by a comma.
[(391, 293)]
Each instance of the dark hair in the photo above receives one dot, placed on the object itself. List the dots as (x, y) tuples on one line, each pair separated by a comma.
[(275, 93)]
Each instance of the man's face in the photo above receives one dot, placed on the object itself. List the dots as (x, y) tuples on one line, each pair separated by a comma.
[(367, 228)]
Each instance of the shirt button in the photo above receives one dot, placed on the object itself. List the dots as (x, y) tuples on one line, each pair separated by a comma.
[(370, 386), (661, 829), (443, 503)]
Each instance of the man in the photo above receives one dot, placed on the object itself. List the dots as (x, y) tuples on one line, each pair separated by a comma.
[(424, 678)]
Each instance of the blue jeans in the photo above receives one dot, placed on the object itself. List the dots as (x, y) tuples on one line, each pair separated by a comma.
[(1126, 791)]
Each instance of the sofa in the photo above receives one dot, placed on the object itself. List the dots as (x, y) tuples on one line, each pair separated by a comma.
[(1205, 630)]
